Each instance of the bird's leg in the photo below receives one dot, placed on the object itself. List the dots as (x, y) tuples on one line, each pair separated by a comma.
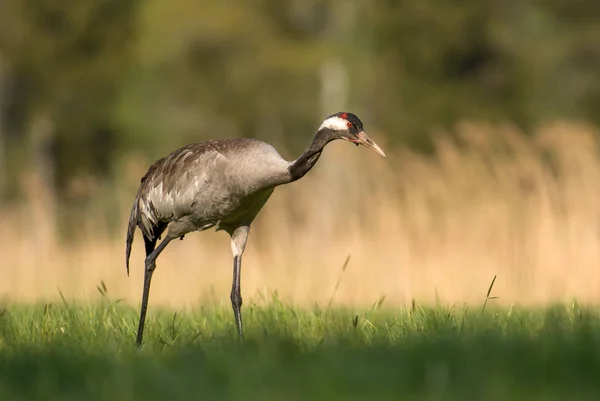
[(238, 244), (150, 265)]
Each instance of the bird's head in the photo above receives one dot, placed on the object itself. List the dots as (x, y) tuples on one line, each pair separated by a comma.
[(348, 127)]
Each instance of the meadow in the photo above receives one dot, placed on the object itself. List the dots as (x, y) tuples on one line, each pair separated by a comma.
[(368, 279), (70, 351)]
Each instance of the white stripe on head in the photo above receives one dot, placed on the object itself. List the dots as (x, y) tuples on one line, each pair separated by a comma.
[(334, 123)]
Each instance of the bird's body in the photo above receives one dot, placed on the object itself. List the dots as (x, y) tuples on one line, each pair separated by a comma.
[(222, 184), (218, 184)]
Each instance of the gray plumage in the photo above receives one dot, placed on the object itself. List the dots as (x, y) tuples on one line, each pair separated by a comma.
[(216, 183), (222, 184)]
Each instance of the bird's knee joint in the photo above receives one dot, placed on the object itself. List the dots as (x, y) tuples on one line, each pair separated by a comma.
[(236, 299), (150, 265)]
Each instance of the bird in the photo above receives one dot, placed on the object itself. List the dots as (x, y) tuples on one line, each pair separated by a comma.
[(223, 184)]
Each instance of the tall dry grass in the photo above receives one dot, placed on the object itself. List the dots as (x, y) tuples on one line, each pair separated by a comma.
[(497, 202)]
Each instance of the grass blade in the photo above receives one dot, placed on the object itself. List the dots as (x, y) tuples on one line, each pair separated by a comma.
[(337, 284)]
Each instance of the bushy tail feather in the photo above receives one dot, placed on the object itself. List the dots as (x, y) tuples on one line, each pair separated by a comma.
[(130, 232)]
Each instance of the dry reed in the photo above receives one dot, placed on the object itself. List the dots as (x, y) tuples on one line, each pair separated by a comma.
[(495, 202)]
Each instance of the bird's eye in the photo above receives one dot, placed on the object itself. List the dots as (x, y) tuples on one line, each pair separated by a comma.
[(349, 124)]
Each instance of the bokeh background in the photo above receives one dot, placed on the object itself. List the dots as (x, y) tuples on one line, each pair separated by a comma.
[(488, 111)]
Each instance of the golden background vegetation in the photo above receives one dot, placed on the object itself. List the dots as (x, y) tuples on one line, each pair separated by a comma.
[(492, 202), (488, 111)]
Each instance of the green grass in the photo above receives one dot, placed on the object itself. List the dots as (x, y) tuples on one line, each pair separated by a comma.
[(77, 352)]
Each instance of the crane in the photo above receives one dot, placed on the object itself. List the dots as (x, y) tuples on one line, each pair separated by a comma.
[(222, 184)]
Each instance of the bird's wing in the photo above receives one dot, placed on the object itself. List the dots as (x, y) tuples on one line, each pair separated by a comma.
[(175, 182)]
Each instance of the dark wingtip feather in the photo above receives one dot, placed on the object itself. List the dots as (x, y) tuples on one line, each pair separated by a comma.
[(130, 234), (127, 253)]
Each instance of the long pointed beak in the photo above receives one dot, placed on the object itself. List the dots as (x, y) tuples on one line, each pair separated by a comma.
[(364, 140)]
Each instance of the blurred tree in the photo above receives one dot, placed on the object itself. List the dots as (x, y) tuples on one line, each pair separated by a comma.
[(3, 164), (436, 62), (65, 60), (231, 68), (96, 79)]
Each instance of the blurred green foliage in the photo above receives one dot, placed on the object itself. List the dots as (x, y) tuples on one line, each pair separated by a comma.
[(114, 76)]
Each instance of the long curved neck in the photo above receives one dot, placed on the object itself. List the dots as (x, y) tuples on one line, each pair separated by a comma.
[(299, 167)]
